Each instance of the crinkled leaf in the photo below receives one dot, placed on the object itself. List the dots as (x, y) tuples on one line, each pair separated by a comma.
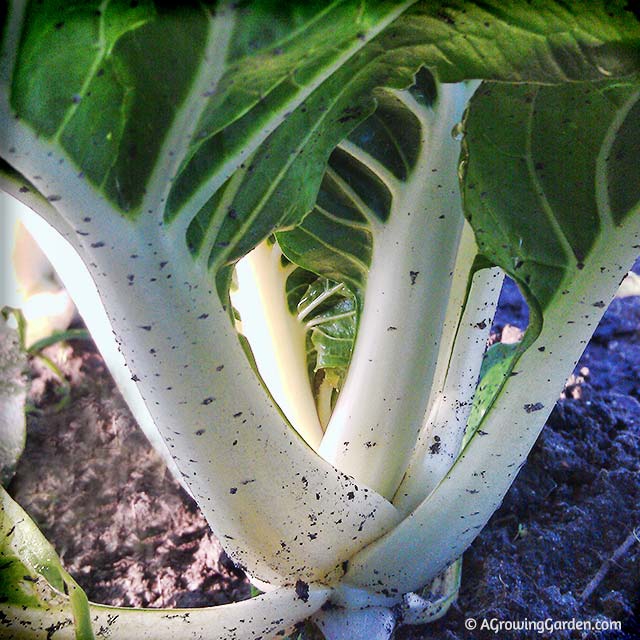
[(332, 324), (328, 312), (333, 336)]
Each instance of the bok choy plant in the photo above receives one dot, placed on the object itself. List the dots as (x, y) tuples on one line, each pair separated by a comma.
[(297, 217)]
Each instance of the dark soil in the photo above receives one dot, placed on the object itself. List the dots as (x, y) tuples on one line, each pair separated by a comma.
[(132, 537), (573, 504)]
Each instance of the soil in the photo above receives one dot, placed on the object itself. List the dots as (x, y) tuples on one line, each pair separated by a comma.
[(572, 505), (125, 530), (132, 537)]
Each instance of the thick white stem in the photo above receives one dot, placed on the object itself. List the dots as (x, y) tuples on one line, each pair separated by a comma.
[(371, 434), (244, 465), (266, 616), (276, 337), (442, 436), (450, 518), (82, 289)]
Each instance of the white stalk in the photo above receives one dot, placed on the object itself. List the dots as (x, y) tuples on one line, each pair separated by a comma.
[(81, 287), (371, 435), (449, 519), (266, 616), (242, 462), (442, 436), (276, 337)]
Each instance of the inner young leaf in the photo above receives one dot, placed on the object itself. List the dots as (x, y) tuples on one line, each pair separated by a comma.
[(321, 277), (328, 312)]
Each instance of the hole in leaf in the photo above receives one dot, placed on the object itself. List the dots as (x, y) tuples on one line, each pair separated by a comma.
[(512, 315)]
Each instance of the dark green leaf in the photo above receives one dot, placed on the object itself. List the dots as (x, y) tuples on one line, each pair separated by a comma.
[(545, 143)]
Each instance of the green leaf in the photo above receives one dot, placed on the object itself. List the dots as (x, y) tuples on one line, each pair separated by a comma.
[(247, 88), (59, 336), (336, 238), (533, 232), (31, 574), (88, 77), (497, 364), (333, 337), (264, 195), (328, 312), (545, 139)]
